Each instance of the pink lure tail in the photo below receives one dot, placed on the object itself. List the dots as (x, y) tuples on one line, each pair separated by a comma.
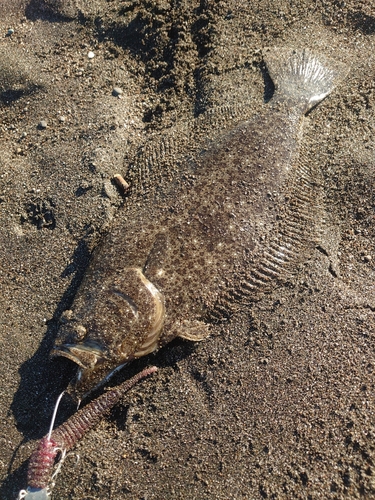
[(64, 437)]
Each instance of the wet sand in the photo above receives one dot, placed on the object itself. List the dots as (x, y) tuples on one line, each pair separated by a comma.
[(278, 403)]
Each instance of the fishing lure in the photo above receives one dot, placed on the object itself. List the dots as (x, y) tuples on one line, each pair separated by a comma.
[(64, 437), (218, 232)]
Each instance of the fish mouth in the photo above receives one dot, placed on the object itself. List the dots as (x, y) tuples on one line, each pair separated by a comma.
[(94, 367), (85, 355)]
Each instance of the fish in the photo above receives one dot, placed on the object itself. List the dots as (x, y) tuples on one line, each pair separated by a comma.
[(190, 253)]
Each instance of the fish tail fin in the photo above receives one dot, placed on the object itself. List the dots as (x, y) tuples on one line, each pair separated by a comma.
[(302, 76)]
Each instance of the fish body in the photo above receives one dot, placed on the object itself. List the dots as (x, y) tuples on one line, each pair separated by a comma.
[(232, 221)]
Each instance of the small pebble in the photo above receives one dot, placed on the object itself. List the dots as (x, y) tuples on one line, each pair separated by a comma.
[(62, 119), (91, 55), (117, 91), (108, 189), (10, 31), (42, 124)]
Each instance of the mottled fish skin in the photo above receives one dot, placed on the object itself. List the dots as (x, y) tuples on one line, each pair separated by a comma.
[(236, 217)]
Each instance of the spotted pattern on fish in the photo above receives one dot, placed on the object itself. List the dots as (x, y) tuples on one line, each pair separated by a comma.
[(233, 217)]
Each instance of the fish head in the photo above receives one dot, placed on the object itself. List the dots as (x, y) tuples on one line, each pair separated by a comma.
[(108, 328), (93, 357)]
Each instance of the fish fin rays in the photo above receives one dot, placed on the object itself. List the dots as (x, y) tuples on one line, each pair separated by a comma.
[(299, 74), (157, 160), (289, 244), (193, 330)]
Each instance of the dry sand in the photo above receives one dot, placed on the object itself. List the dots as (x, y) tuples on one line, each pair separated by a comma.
[(280, 402)]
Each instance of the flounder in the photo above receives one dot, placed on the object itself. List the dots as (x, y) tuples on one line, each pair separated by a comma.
[(232, 221)]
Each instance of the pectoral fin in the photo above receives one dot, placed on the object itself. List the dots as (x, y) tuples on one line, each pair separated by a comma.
[(193, 330)]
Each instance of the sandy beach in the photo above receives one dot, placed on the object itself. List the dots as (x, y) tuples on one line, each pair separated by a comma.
[(279, 402)]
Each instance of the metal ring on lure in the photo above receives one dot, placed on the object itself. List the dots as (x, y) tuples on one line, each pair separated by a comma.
[(34, 494), (64, 437)]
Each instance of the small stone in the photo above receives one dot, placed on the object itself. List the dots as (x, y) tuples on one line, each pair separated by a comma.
[(91, 55), (66, 316), (10, 31), (42, 124), (108, 190), (62, 119), (117, 91)]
